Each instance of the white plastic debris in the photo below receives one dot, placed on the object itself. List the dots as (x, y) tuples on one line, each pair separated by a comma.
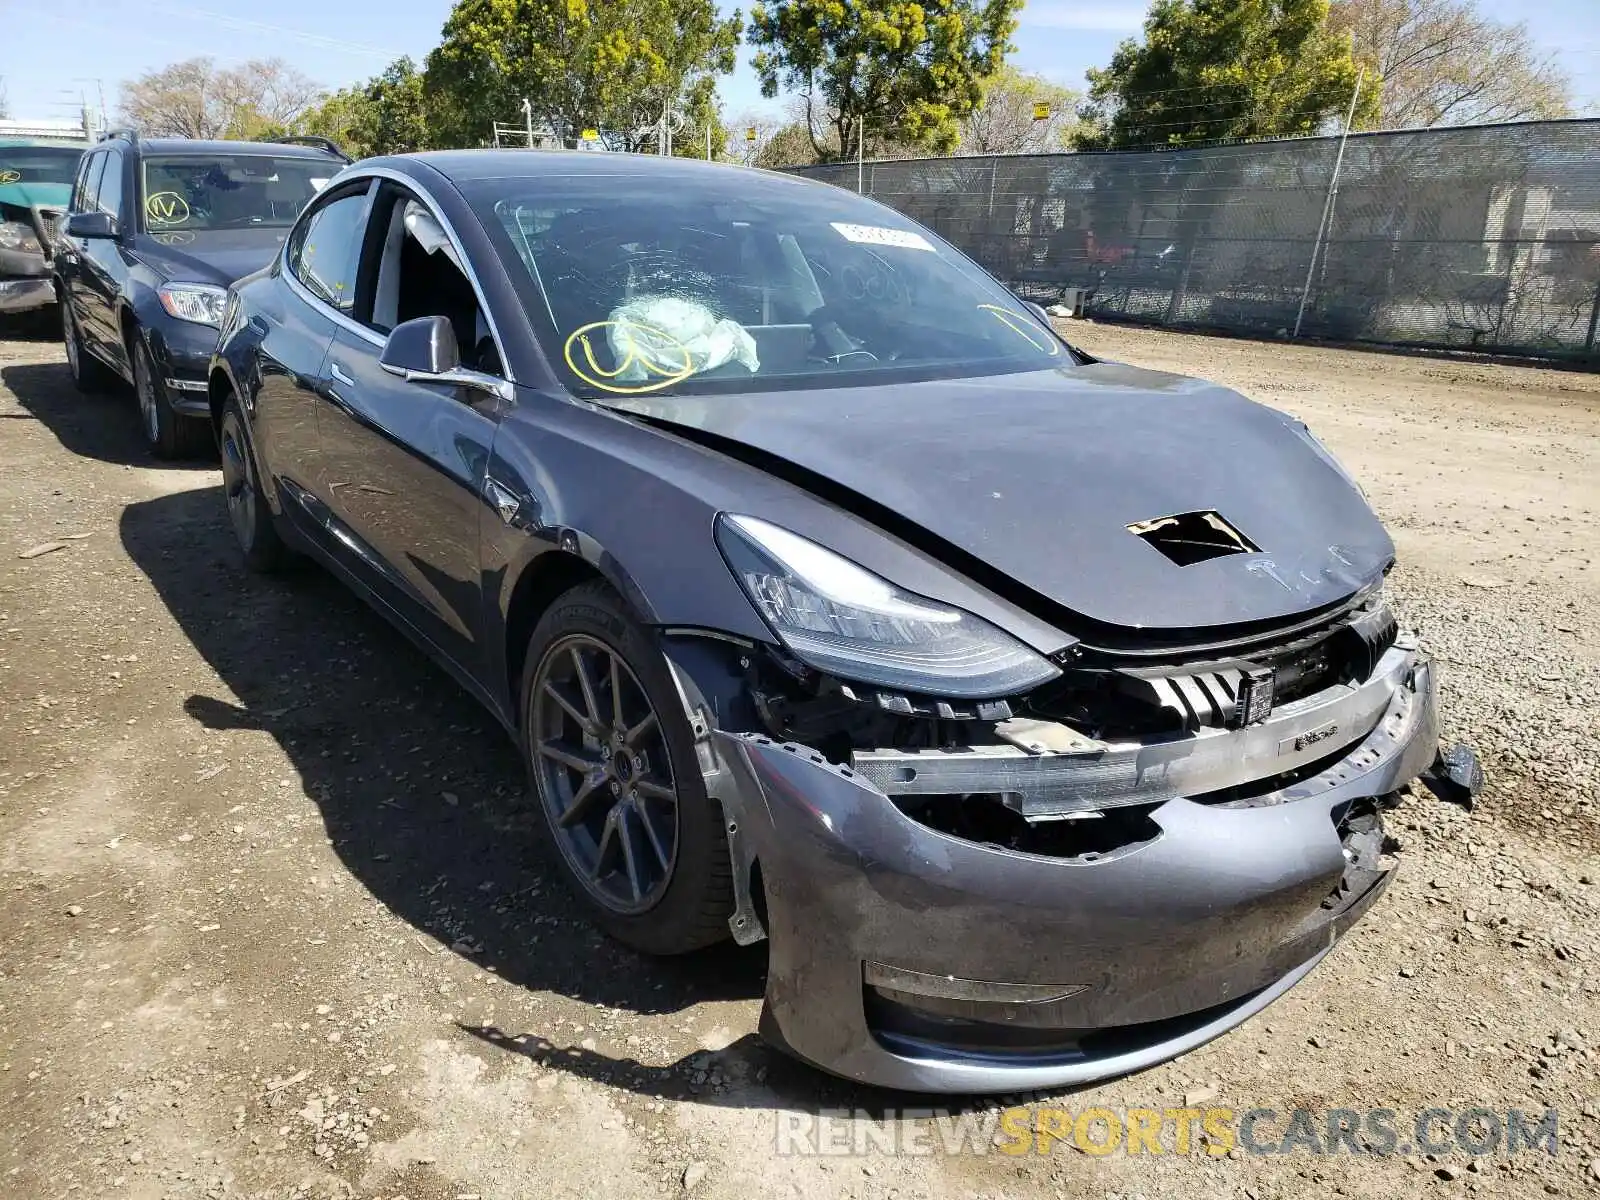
[(655, 338)]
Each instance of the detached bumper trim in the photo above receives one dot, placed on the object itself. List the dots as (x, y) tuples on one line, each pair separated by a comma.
[(1116, 774)]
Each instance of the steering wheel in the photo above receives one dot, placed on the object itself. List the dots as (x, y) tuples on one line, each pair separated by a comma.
[(836, 344)]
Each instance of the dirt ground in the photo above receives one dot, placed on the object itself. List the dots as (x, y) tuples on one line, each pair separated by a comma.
[(271, 926)]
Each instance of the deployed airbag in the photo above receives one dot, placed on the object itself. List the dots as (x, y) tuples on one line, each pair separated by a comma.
[(657, 337)]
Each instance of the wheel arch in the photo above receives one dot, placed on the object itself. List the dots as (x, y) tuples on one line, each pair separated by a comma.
[(219, 386), (542, 581), (127, 329)]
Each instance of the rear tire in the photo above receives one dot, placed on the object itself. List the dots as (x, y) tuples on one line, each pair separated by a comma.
[(168, 433), (89, 375), (260, 545), (660, 880)]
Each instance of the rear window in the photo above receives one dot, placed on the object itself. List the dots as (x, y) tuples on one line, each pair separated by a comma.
[(227, 191), (737, 280)]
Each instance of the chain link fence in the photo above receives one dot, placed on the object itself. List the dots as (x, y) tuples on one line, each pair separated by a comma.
[(1478, 238)]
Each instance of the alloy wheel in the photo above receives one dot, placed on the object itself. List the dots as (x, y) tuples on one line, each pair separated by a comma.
[(604, 775), (238, 484)]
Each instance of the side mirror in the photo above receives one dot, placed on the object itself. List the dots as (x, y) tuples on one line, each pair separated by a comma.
[(91, 225), (421, 346), (424, 350)]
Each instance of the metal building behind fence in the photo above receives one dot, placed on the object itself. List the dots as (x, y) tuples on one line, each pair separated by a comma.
[(1482, 237)]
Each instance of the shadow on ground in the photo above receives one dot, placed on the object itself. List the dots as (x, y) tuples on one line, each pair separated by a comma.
[(424, 799), (103, 426)]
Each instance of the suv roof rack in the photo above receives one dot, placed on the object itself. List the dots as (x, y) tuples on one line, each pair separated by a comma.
[(314, 141), (128, 132)]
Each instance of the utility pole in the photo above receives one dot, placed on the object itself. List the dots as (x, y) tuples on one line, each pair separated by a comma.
[(708, 143), (1327, 206)]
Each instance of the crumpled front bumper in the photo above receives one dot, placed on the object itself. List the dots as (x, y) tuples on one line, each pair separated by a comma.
[(1133, 956), (25, 282)]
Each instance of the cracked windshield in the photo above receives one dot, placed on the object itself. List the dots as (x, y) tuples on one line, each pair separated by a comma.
[(775, 289)]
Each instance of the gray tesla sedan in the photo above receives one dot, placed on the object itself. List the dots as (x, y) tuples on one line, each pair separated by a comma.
[(1040, 712)]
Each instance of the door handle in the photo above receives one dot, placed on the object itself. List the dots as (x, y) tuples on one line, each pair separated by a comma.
[(337, 372)]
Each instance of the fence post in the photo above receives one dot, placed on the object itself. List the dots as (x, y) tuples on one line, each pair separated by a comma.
[(1594, 317), (1327, 206), (993, 162)]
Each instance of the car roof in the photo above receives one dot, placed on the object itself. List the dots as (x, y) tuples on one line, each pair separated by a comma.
[(33, 143), (463, 165), (174, 147)]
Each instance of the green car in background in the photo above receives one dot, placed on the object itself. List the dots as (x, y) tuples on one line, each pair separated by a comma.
[(36, 178)]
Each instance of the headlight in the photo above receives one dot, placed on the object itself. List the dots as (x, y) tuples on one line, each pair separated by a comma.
[(843, 619), (201, 303), (18, 235)]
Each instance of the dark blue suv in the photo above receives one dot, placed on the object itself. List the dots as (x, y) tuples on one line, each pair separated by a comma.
[(156, 230)]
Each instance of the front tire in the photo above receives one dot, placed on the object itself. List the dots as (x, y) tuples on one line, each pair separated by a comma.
[(612, 763), (259, 543), (168, 433)]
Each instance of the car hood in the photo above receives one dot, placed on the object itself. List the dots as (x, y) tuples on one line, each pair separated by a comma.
[(1039, 476), (36, 195), (218, 256)]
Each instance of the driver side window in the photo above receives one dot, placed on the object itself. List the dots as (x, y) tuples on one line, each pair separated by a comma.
[(419, 276), (326, 246)]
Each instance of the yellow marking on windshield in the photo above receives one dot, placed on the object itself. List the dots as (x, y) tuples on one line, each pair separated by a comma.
[(10, 176), (166, 208), (594, 374), (1023, 326)]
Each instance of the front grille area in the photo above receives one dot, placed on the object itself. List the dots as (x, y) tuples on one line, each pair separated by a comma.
[(1107, 699), (47, 222)]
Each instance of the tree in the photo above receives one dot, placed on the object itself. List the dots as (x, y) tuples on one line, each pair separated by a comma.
[(791, 145), (894, 70), (782, 139), (385, 115), (195, 99), (1004, 123), (582, 64), (743, 149), (1217, 69), (1442, 62)]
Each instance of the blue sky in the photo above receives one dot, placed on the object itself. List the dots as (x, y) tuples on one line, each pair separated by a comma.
[(52, 52)]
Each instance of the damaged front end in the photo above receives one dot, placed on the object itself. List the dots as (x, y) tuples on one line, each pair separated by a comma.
[(1089, 877)]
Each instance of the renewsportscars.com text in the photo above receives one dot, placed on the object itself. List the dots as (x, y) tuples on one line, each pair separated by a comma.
[(1215, 1131)]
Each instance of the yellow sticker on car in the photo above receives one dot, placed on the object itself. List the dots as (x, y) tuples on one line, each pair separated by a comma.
[(166, 208)]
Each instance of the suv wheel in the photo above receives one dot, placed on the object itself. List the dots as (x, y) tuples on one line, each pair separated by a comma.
[(168, 432), (89, 374)]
